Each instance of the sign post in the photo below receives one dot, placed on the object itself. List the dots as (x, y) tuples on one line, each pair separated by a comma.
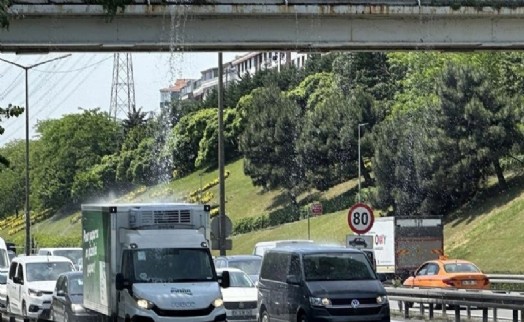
[(360, 218)]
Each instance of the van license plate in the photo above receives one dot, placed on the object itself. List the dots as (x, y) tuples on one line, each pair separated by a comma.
[(241, 312), (469, 282)]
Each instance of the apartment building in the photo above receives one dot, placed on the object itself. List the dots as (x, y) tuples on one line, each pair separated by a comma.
[(249, 63)]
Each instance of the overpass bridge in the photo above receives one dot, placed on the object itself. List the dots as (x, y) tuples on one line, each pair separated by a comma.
[(246, 25)]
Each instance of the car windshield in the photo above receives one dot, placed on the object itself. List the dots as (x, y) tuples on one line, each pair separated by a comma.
[(168, 265), (249, 266), (337, 266), (240, 279), (76, 286), (461, 268), (47, 271), (73, 254)]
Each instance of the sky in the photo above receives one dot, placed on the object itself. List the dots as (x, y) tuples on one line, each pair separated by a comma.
[(83, 80)]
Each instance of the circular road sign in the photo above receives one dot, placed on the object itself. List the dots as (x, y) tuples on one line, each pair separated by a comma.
[(360, 218)]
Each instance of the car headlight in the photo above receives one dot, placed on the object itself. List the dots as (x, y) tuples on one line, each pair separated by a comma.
[(382, 299), (319, 301), (34, 292), (77, 308), (144, 304), (218, 302)]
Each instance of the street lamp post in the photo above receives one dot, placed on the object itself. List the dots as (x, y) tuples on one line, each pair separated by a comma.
[(359, 125), (27, 210), (221, 177)]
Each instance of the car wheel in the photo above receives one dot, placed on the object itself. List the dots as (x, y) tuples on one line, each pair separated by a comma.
[(264, 317), (302, 318), (7, 306)]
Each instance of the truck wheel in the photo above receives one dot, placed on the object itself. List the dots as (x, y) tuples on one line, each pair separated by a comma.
[(264, 317), (302, 318)]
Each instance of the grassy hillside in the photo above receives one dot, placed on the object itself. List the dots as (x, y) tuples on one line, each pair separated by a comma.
[(486, 231)]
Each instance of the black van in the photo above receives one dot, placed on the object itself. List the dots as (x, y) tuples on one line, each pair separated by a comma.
[(320, 283)]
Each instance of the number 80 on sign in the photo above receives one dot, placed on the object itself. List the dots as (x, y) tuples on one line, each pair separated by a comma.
[(360, 218)]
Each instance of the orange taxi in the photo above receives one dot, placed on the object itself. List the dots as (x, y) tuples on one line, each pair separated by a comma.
[(448, 273)]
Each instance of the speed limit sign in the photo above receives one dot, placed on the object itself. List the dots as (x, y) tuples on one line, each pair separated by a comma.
[(360, 218)]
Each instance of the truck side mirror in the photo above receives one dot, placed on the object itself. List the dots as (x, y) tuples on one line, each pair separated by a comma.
[(224, 280), (120, 282)]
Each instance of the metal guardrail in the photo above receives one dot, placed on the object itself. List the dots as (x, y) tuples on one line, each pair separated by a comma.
[(457, 298), (506, 278)]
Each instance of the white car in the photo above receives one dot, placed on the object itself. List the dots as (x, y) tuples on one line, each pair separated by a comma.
[(240, 298), (3, 289), (73, 253), (30, 284)]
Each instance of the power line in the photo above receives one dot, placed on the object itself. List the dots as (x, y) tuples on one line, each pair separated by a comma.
[(75, 70)]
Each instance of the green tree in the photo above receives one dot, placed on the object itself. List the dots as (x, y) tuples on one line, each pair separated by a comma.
[(208, 146), (269, 142), (480, 119), (184, 141), (68, 146), (5, 113), (12, 178)]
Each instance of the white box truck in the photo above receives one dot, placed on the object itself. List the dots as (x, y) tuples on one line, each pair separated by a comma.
[(402, 244), (150, 262)]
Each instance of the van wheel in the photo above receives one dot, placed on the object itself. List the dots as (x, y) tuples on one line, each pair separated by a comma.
[(302, 318), (264, 317), (24, 311)]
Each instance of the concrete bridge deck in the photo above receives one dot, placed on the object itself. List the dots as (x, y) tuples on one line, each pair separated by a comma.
[(306, 25)]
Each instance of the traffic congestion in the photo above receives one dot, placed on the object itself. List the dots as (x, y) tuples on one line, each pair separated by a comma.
[(156, 260)]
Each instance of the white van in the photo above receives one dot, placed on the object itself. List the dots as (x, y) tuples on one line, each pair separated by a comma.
[(261, 247), (30, 284), (73, 253), (4, 258)]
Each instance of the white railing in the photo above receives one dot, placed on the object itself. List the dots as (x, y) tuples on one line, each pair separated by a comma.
[(457, 298)]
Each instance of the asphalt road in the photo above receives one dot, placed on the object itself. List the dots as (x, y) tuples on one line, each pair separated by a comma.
[(502, 315), (476, 314)]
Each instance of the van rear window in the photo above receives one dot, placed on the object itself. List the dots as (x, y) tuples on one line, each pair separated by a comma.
[(337, 267)]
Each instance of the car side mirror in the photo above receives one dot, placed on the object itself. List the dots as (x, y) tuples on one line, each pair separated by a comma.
[(224, 280), (18, 280), (413, 273), (121, 283), (293, 280)]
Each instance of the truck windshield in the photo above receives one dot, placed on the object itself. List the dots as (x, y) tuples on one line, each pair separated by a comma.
[(337, 266), (161, 265)]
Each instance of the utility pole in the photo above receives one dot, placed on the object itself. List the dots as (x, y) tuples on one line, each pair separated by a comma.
[(221, 185), (359, 125), (27, 209)]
